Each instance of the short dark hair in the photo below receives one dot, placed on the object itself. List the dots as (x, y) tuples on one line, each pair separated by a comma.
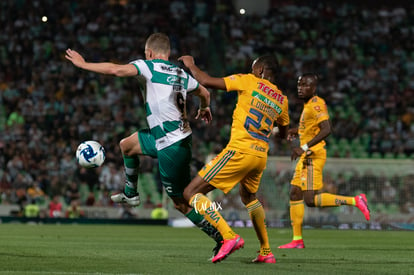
[(269, 62), (311, 75), (270, 65)]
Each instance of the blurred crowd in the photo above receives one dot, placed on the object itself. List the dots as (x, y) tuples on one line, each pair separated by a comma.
[(363, 54)]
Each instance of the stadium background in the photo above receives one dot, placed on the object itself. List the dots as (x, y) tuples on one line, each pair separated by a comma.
[(363, 52)]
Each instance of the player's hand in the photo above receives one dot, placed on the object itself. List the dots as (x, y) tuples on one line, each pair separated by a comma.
[(298, 151), (188, 60), (205, 115), (292, 134), (294, 142), (74, 57)]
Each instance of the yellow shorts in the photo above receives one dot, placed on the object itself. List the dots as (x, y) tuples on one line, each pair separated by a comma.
[(230, 167), (308, 173)]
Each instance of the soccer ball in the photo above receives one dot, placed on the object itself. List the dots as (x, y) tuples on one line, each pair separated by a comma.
[(90, 154)]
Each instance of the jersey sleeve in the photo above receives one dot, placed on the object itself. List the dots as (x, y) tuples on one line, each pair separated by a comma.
[(235, 82), (320, 110), (192, 84), (142, 67)]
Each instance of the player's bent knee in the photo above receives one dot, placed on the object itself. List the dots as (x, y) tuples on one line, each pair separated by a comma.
[(124, 145), (182, 208), (197, 185), (295, 194), (247, 198), (187, 194), (181, 205), (130, 146), (310, 203), (309, 198)]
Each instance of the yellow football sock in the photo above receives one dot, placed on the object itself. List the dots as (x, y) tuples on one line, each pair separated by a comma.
[(205, 207), (297, 211), (327, 199), (257, 215)]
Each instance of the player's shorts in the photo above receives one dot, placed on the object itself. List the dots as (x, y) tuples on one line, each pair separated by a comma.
[(231, 167), (173, 162), (308, 173)]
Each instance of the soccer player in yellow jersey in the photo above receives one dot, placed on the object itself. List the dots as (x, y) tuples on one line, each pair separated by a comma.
[(261, 106), (314, 127)]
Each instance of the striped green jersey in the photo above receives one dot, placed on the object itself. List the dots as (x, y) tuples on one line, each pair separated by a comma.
[(165, 94)]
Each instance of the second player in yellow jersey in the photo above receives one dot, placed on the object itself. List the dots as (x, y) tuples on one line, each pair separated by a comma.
[(307, 181)]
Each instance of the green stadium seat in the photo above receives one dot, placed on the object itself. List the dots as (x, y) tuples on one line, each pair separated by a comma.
[(332, 149), (393, 208), (356, 142), (360, 153), (379, 207), (376, 155), (401, 156), (365, 139), (344, 147), (389, 155), (343, 142)]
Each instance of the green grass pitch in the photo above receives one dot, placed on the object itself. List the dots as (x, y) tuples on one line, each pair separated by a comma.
[(140, 249)]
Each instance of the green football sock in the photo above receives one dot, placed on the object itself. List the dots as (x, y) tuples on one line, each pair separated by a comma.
[(204, 225), (131, 164)]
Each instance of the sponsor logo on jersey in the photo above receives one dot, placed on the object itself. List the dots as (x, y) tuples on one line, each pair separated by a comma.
[(269, 91), (167, 68), (175, 80)]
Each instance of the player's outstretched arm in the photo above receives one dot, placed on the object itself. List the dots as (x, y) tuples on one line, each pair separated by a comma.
[(102, 68), (201, 76)]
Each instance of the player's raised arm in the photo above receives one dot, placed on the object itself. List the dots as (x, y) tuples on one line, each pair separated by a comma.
[(102, 67), (202, 77)]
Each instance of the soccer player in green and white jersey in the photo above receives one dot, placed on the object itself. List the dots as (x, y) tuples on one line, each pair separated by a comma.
[(168, 137)]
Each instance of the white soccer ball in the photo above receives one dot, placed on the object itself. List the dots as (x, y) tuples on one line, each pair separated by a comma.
[(90, 154)]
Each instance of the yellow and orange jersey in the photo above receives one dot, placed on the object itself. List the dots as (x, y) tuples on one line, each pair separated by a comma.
[(314, 112), (260, 104)]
